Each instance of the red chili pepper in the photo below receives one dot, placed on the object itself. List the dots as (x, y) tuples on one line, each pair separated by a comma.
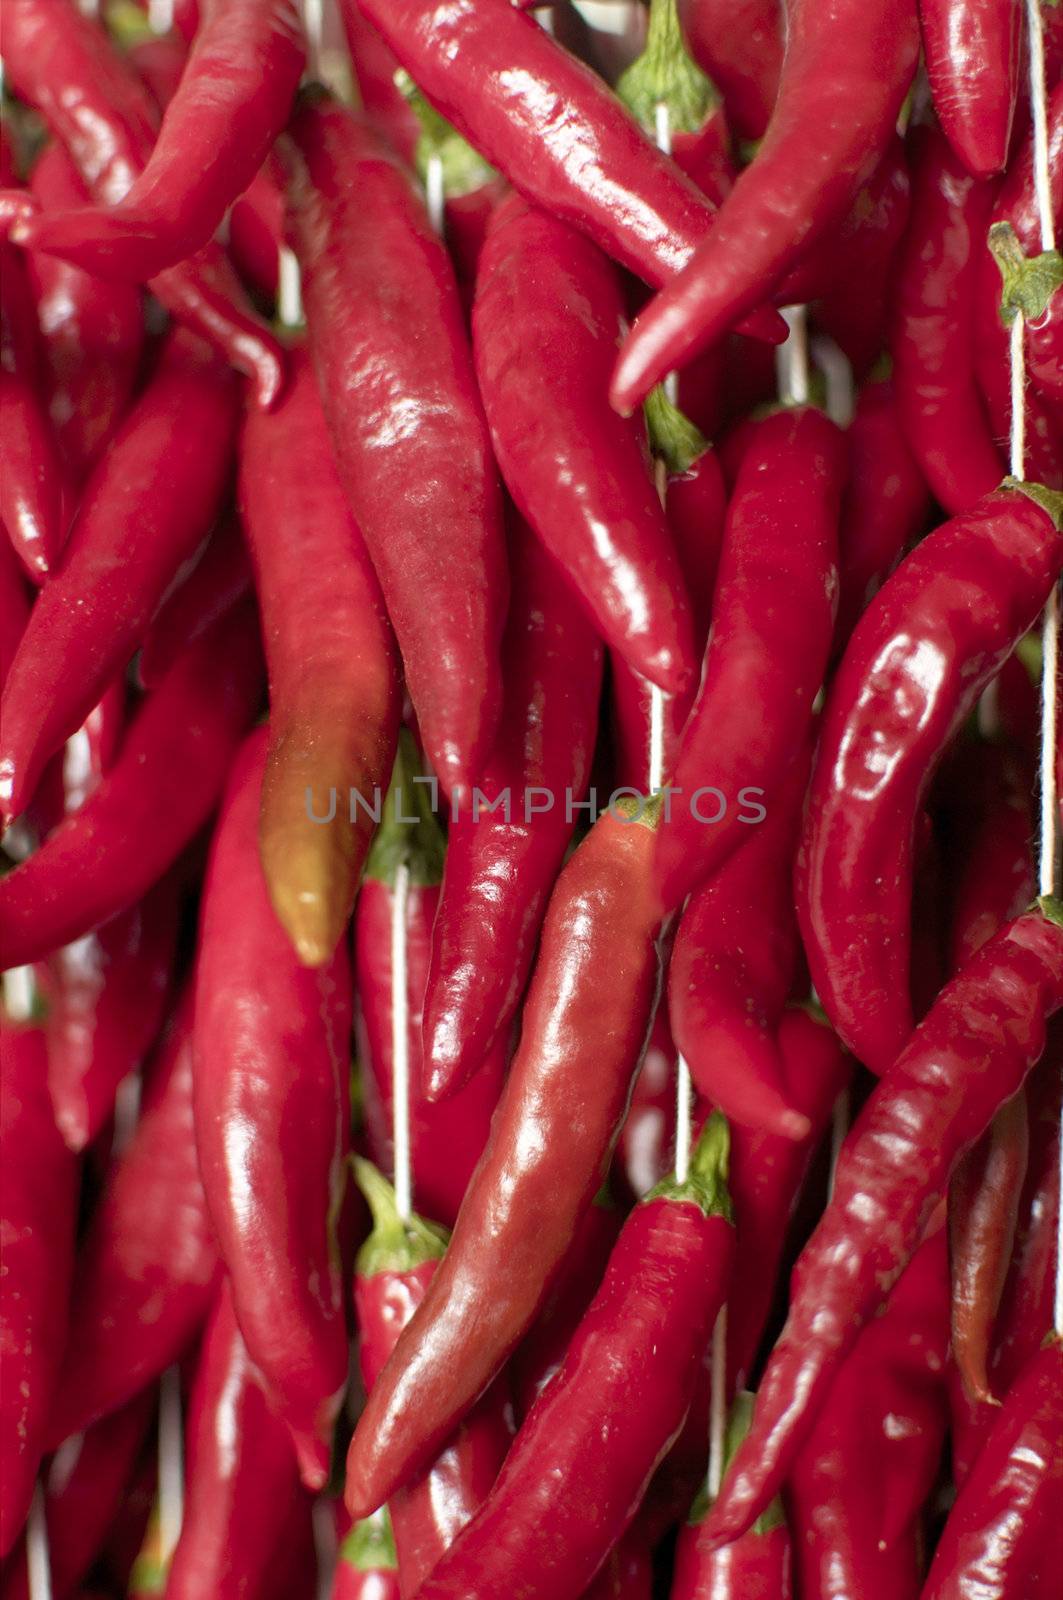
[(185, 17), (160, 791), (160, 61), (561, 1501), (931, 640), (388, 340), (773, 613), (272, 1143), (585, 1025), (256, 228), (220, 576), (836, 112), (740, 47), (39, 1217), (970, 1054), (989, 837), (544, 338), (500, 865), (971, 49), (375, 67), (368, 1568), (14, 607)]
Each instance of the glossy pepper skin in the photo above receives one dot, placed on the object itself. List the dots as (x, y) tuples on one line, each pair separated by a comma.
[(835, 114), (935, 634), (231, 102), (38, 1212), (971, 49), (387, 337), (271, 1086), (368, 1568), (970, 1054), (147, 506), (545, 321), (741, 49), (220, 576), (499, 871), (773, 614), (586, 1019), (333, 668), (161, 790), (562, 1501), (14, 607)]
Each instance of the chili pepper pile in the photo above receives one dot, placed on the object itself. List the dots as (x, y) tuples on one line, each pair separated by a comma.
[(530, 900)]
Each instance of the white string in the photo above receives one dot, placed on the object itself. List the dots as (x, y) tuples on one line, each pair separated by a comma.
[(1018, 403), (289, 289), (435, 193), (160, 15), (19, 993), (38, 1562), (791, 359), (400, 1045), (1039, 114), (718, 1403), (171, 1464), (838, 376), (313, 27)]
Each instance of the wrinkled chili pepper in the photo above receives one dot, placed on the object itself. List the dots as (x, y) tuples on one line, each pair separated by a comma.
[(933, 637), (740, 47), (333, 669), (220, 576), (971, 49), (586, 1019), (970, 1054), (387, 336), (272, 1142), (368, 1567)]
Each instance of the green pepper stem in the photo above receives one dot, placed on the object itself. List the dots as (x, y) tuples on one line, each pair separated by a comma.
[(665, 74), (1050, 500), (706, 1181), (396, 1244), (370, 1545), (673, 437), (1027, 282), (409, 834), (738, 1426), (464, 169)]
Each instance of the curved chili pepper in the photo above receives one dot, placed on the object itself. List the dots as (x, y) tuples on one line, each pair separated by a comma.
[(933, 637), (333, 669), (585, 1024), (375, 72), (773, 613), (160, 791), (387, 336), (740, 47), (989, 840), (835, 114), (256, 228), (368, 1568), (545, 322), (971, 49), (220, 576), (970, 1054), (500, 866), (160, 61), (272, 1143), (561, 1501)]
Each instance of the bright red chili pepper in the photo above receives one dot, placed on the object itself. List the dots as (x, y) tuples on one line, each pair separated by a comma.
[(220, 576), (970, 1054), (501, 865), (272, 1143), (585, 1025), (930, 641), (368, 1568), (387, 336), (971, 49), (740, 47)]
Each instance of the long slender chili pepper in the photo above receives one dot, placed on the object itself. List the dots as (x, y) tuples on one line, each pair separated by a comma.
[(988, 833), (375, 69), (160, 61), (147, 506), (368, 1567), (561, 1501), (221, 575), (933, 637), (586, 1019), (740, 47), (971, 49), (14, 607), (500, 865), (272, 1143), (773, 612), (256, 228), (967, 1057), (161, 790), (232, 101), (387, 336), (545, 321), (835, 114), (333, 669)]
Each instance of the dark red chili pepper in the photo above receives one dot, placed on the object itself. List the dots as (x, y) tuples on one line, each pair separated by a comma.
[(14, 607), (375, 67), (160, 61), (988, 834), (967, 1057), (740, 47), (585, 1024), (773, 613), (368, 1568), (256, 228), (971, 49), (272, 1143), (561, 1501), (835, 114), (160, 791), (929, 643), (500, 865), (627, 1573), (220, 576), (333, 669), (388, 340)]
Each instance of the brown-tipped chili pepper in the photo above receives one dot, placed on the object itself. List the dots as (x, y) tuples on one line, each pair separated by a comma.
[(740, 47), (971, 49), (835, 114), (368, 1567), (773, 613), (938, 402), (387, 335), (561, 1501), (231, 102), (333, 669), (501, 864), (38, 1214), (272, 1142), (149, 503), (929, 643), (146, 1271), (970, 1054), (446, 1138), (162, 788), (221, 575), (585, 1025), (545, 321)]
